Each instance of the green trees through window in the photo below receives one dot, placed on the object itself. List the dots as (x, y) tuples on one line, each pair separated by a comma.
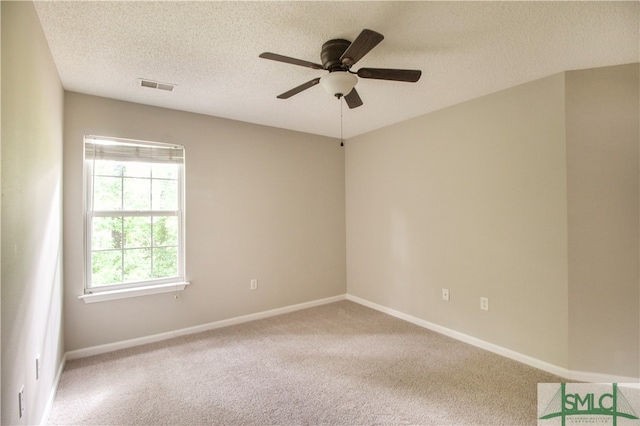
[(134, 221)]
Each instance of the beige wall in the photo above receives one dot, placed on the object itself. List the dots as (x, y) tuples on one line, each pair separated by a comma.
[(261, 203), (603, 124), (471, 198), (32, 109), (528, 197)]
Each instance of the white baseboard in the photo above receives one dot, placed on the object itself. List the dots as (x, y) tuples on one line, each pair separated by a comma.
[(54, 390), (580, 376), (585, 376), (110, 347), (508, 353)]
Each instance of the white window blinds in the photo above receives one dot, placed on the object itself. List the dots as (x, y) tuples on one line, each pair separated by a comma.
[(100, 148)]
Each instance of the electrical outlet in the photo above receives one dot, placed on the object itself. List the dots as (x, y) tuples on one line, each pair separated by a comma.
[(484, 303), (254, 284), (21, 401), (445, 294)]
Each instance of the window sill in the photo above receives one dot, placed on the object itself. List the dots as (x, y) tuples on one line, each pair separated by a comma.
[(103, 296)]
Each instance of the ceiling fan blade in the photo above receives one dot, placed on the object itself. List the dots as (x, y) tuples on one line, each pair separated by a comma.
[(288, 60), (366, 41), (353, 99), (410, 76), (296, 90)]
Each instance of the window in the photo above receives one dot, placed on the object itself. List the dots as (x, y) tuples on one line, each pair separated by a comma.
[(134, 214)]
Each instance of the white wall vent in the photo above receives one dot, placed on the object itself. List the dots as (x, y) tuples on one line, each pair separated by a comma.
[(156, 85)]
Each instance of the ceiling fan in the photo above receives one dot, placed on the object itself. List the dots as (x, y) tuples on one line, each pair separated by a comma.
[(338, 56)]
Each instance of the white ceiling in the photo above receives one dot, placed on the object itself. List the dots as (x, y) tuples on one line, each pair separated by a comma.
[(210, 51)]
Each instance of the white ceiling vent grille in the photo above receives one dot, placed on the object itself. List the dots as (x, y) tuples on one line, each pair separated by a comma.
[(156, 85)]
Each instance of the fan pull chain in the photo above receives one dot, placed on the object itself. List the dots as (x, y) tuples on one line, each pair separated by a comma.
[(341, 138)]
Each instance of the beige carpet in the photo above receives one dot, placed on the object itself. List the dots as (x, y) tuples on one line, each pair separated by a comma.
[(338, 364)]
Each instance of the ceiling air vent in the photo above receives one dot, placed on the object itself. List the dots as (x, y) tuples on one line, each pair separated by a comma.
[(157, 85)]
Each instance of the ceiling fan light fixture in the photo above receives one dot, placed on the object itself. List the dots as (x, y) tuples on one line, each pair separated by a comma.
[(338, 83)]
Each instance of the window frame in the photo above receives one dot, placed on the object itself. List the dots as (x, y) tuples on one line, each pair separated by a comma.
[(146, 286)]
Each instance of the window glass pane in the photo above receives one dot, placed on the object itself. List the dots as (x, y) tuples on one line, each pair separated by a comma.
[(107, 168), (137, 231), (165, 171), (107, 193), (137, 264), (165, 231), (106, 267), (132, 169), (106, 233), (165, 194), (133, 248), (165, 262), (137, 194)]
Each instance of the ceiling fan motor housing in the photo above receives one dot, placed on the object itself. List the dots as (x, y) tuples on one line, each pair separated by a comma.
[(331, 53)]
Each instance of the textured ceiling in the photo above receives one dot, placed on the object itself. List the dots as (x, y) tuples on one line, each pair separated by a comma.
[(210, 51)]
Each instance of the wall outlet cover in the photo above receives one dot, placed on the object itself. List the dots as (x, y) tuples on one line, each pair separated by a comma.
[(445, 294), (484, 303)]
